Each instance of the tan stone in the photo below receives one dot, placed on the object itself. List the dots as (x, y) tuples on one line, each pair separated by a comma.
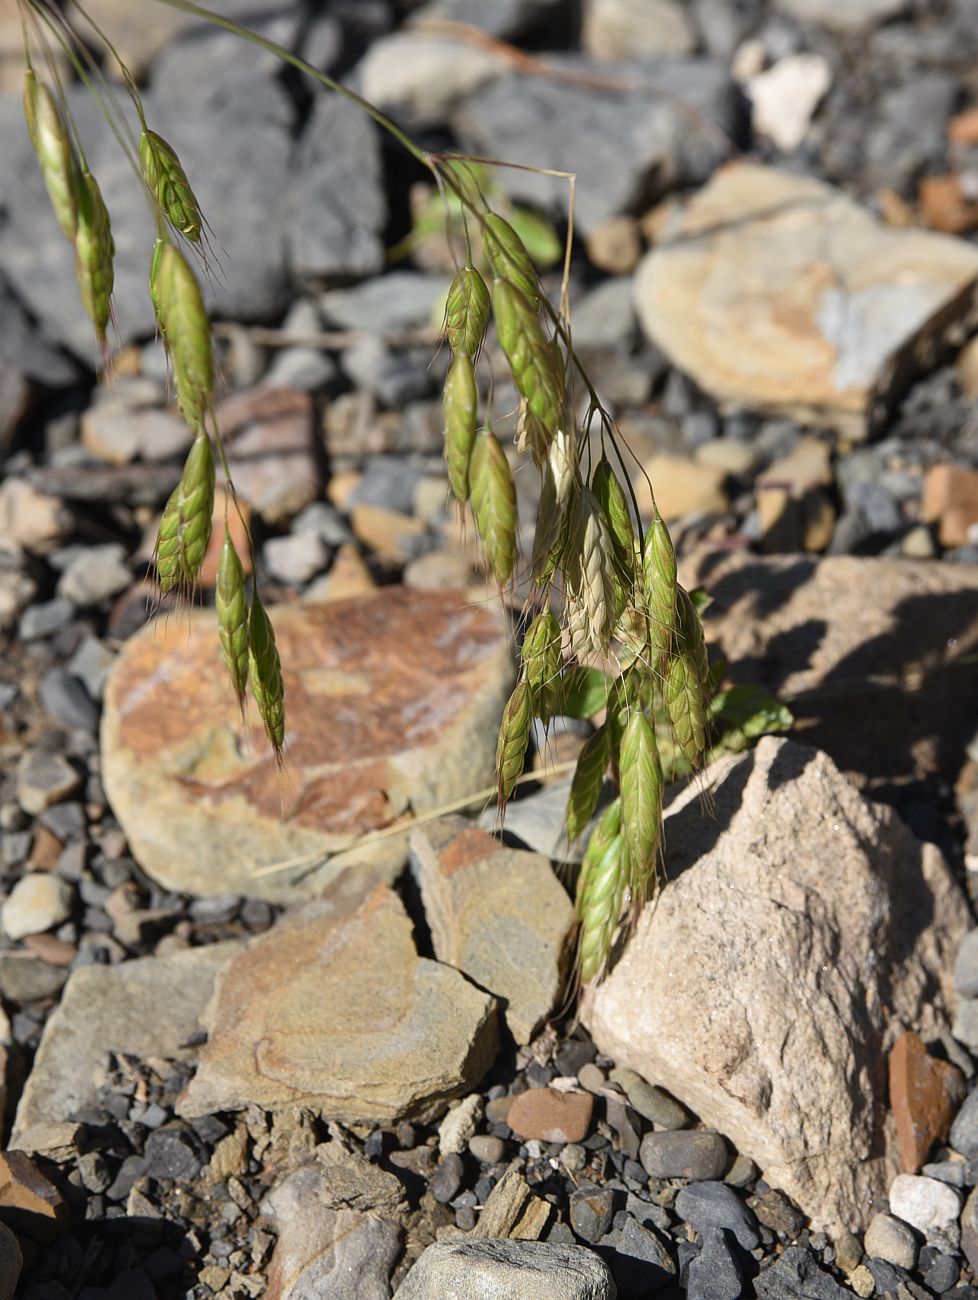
[(332, 1011), (270, 434), (391, 700), (513, 1212), (682, 487), (32, 519), (348, 576), (950, 499), (391, 534), (967, 367), (30, 1204), (238, 521), (779, 293), (801, 927), (615, 245), (945, 206), (873, 656), (498, 915), (793, 510)]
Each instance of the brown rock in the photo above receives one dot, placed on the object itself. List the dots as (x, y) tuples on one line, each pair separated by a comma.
[(30, 1205), (32, 519), (967, 367), (551, 1116), (924, 1096), (394, 536), (950, 499), (498, 915), (271, 437), (944, 205), (873, 656), (54, 951), (333, 1011), (963, 127), (348, 576), (391, 700), (682, 487), (239, 536), (778, 293), (615, 245), (800, 926), (512, 1211), (793, 510)]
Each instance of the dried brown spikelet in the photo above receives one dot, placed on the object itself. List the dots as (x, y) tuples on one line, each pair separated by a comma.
[(534, 359), (530, 434), (494, 504), (167, 182), (514, 736), (265, 671), (467, 313), (460, 409), (231, 602), (641, 799), (659, 580), (600, 893), (94, 253), (542, 660), (587, 783), (187, 331), (55, 151), (507, 255), (185, 528)]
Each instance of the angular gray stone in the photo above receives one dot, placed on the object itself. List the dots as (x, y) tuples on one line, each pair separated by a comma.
[(400, 300), (507, 1270), (44, 779), (715, 1273), (96, 574), (148, 1007), (763, 987), (715, 1205), (966, 966), (796, 1276)]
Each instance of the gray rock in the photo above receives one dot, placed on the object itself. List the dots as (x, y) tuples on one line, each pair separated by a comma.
[(924, 1203), (43, 620), (63, 697), (337, 207), (966, 966), (715, 1205), (148, 1007), (503, 18), (44, 779), (26, 978), (656, 1106), (325, 521), (11, 1258), (91, 663), (964, 1131), (39, 901), (641, 1262), (696, 1156), (422, 79), (969, 1229), (394, 378), (907, 131), (852, 17), (891, 1240), (625, 148), (390, 482), (445, 1182), (24, 347), (507, 1270), (940, 1272), (604, 319), (716, 1272), (295, 559), (301, 366), (170, 1154), (591, 1210), (797, 1276), (95, 575), (400, 300)]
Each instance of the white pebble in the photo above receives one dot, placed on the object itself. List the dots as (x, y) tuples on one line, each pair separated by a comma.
[(924, 1203), (459, 1124)]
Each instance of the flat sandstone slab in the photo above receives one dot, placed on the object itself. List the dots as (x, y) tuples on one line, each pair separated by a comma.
[(392, 700), (781, 294)]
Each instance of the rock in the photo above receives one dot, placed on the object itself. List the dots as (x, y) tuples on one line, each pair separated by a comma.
[(969, 1229), (966, 966), (424, 78), (30, 1205), (623, 146), (743, 298), (924, 1203), (682, 487), (27, 978), (946, 205), (336, 1234), (348, 577), (513, 1212), (505, 19), (715, 1205), (791, 499), (94, 575), (295, 559), (891, 1240), (32, 519), (348, 1020), (17, 588), (854, 17), (637, 29), (796, 1276), (43, 620), (641, 1262), (11, 1262), (817, 954), (44, 779), (950, 500), (399, 300), (23, 346), (364, 742), (446, 1182), (965, 1024), (117, 431), (90, 664), (507, 1270), (38, 902), (551, 1116), (488, 1150), (269, 432), (696, 1156), (459, 1124), (785, 96), (924, 1096), (615, 245), (715, 1273), (150, 1007), (337, 207), (591, 1210), (63, 697), (810, 630), (499, 916)]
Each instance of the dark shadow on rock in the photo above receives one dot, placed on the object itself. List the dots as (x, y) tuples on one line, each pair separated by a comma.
[(768, 588), (693, 831)]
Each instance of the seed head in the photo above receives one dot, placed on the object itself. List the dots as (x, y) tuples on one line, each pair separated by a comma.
[(507, 255), (231, 601), (167, 182), (467, 313), (55, 151), (187, 332), (514, 735), (185, 528), (460, 408), (265, 668), (494, 504), (94, 252)]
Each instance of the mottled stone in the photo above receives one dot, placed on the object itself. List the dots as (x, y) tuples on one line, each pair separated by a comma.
[(924, 1095), (507, 1270)]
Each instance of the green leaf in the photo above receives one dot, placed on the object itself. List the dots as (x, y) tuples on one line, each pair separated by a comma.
[(749, 711), (538, 235), (583, 692)]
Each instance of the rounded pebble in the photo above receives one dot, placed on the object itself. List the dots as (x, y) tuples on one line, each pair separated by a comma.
[(890, 1239), (37, 902), (697, 1157), (488, 1150), (924, 1203)]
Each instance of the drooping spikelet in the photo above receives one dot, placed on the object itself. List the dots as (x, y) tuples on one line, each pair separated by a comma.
[(94, 253), (610, 495), (534, 359), (514, 735), (686, 689), (185, 528), (494, 504), (467, 313), (55, 151), (167, 182), (591, 582), (265, 671), (231, 602), (507, 255), (460, 409), (641, 799), (541, 657), (587, 783), (187, 333), (659, 578), (601, 892)]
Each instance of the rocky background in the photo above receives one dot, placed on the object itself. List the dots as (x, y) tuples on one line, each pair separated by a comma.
[(231, 1066)]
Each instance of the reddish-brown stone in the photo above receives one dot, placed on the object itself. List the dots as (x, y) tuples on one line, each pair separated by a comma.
[(550, 1116), (30, 1205), (924, 1095)]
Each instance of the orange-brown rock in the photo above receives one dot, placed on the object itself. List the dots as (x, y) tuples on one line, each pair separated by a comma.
[(271, 438), (30, 1204), (950, 499), (333, 1011), (924, 1096), (945, 206), (392, 702), (551, 1116)]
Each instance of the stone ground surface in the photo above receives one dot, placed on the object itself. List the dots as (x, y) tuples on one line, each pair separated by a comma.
[(232, 1065)]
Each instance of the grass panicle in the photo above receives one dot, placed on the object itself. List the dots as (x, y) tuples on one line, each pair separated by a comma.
[(600, 893), (508, 258), (167, 182), (494, 504), (534, 359), (587, 783), (55, 152), (187, 334), (541, 655), (514, 736), (265, 673), (641, 798), (94, 253), (231, 603), (185, 528), (467, 313), (460, 407)]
